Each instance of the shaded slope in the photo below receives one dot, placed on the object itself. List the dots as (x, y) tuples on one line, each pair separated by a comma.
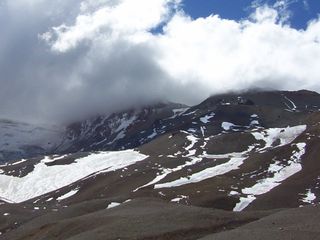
[(139, 219), (293, 224)]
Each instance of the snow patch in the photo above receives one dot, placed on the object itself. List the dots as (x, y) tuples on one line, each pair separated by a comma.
[(113, 204), (123, 123), (280, 173), (166, 171), (285, 135), (243, 203), (233, 193), (44, 179), (221, 169), (294, 107), (67, 195), (192, 130), (310, 197), (236, 160), (153, 134), (202, 130), (190, 113), (19, 162), (193, 140), (206, 119), (178, 112), (179, 198), (254, 122), (227, 126)]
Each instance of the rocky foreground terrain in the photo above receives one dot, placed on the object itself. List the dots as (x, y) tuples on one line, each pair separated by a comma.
[(236, 166)]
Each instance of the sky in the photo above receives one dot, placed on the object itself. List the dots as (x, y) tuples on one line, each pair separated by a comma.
[(64, 60), (301, 11)]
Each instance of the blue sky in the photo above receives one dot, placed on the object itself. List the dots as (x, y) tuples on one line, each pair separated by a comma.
[(302, 10)]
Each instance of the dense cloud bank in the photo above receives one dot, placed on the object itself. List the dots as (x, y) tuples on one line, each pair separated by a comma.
[(65, 59)]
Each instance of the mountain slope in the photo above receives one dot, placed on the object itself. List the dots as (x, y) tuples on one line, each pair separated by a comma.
[(251, 153), (293, 224), (123, 130)]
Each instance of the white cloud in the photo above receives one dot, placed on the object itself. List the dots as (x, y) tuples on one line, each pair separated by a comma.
[(104, 56), (228, 55), (112, 19), (306, 4), (282, 8)]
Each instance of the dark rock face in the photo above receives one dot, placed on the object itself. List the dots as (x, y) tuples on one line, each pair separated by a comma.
[(199, 172), (123, 130)]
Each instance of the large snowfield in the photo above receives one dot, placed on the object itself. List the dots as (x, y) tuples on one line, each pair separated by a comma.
[(44, 179)]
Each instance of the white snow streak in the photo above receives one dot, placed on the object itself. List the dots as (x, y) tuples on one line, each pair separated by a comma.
[(178, 112), (236, 160), (123, 125), (193, 141), (16, 163), (179, 198), (113, 204), (68, 194), (281, 173), (153, 134), (294, 107), (221, 169), (166, 171)]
